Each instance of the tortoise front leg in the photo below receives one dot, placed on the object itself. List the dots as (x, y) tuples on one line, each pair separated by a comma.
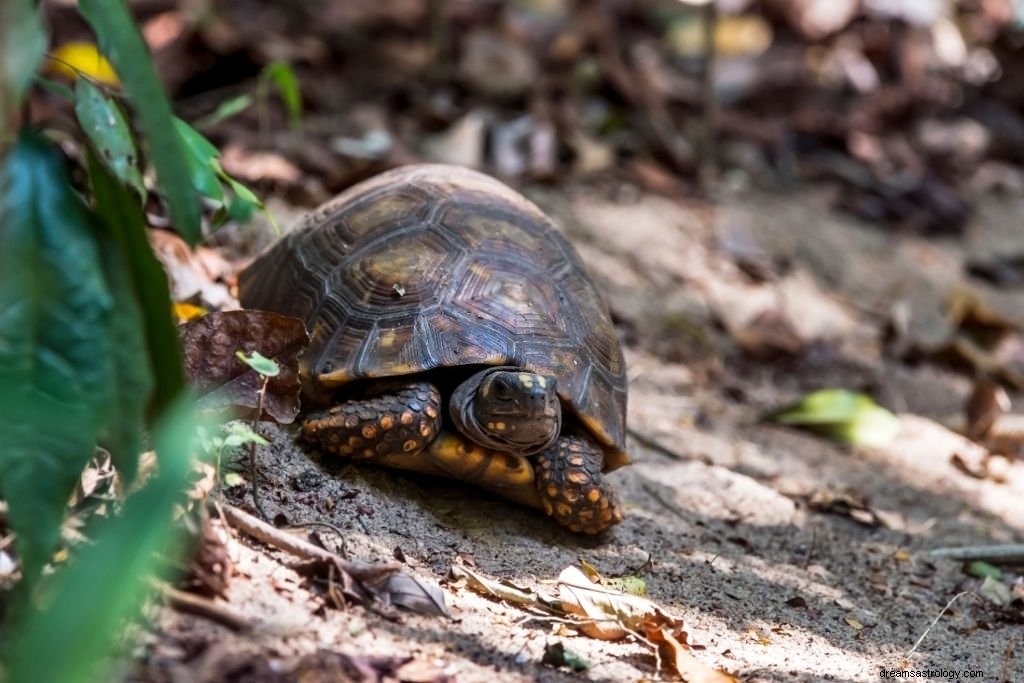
[(403, 420), (573, 489), (507, 475)]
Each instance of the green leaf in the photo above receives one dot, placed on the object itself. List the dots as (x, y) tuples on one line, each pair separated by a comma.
[(108, 131), (225, 110), (92, 597), (260, 363), (56, 88), (123, 45), (283, 77), (202, 161), (123, 220), (983, 570), (22, 46), (55, 345), (132, 384), (841, 415)]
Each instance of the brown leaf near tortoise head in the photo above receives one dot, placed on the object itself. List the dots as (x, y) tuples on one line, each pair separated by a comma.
[(224, 382)]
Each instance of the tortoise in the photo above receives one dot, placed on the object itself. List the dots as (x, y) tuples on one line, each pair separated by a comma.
[(454, 332)]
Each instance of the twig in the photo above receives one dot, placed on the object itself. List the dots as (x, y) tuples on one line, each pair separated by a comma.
[(1007, 661), (668, 505), (707, 167), (939, 616), (648, 442), (253, 469), (190, 603), (1011, 553), (272, 536), (282, 540), (810, 549)]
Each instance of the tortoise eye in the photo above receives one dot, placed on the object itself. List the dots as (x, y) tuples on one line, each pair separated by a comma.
[(502, 389)]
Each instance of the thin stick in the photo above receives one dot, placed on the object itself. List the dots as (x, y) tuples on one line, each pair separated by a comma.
[(937, 617), (253, 469), (707, 166), (1011, 553), (190, 603), (648, 442), (282, 540)]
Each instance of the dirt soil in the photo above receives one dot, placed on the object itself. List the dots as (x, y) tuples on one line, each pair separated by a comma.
[(718, 522)]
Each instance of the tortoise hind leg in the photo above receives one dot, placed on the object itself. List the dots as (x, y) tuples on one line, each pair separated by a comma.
[(572, 488), (402, 420)]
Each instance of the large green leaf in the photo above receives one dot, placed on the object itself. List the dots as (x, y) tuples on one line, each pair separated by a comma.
[(132, 381), (123, 45), (122, 219), (109, 133), (91, 598), (22, 45), (55, 344), (202, 157)]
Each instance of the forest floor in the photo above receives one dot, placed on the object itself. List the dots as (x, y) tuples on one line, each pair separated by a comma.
[(786, 557)]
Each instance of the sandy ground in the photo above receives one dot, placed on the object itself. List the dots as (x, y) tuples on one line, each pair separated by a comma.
[(717, 520)]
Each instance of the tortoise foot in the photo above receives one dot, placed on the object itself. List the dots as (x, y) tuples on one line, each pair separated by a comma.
[(572, 488), (401, 421)]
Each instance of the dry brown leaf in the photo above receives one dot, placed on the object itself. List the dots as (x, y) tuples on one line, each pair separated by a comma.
[(845, 503), (414, 594), (986, 403), (675, 652), (223, 381), (611, 615), (504, 590)]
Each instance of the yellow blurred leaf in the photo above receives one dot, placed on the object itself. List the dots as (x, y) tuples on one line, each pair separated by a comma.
[(853, 623), (72, 59), (901, 555), (186, 312), (744, 35)]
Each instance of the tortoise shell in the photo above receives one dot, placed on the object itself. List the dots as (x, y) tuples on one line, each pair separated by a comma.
[(432, 266)]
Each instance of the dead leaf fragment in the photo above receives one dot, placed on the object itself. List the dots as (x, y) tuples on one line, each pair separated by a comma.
[(845, 503), (986, 403), (611, 615), (675, 652), (415, 595), (504, 590), (223, 381)]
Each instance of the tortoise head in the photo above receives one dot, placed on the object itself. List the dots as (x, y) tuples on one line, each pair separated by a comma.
[(508, 409)]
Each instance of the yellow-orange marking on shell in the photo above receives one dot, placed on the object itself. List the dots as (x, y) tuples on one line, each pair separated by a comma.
[(552, 491), (406, 417), (565, 510), (578, 477), (425, 429), (369, 431), (387, 422), (499, 426), (576, 461), (431, 411), (345, 450), (409, 446), (593, 495)]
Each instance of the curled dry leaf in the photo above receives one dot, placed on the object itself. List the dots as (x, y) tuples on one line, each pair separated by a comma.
[(678, 655), (223, 381), (610, 614)]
